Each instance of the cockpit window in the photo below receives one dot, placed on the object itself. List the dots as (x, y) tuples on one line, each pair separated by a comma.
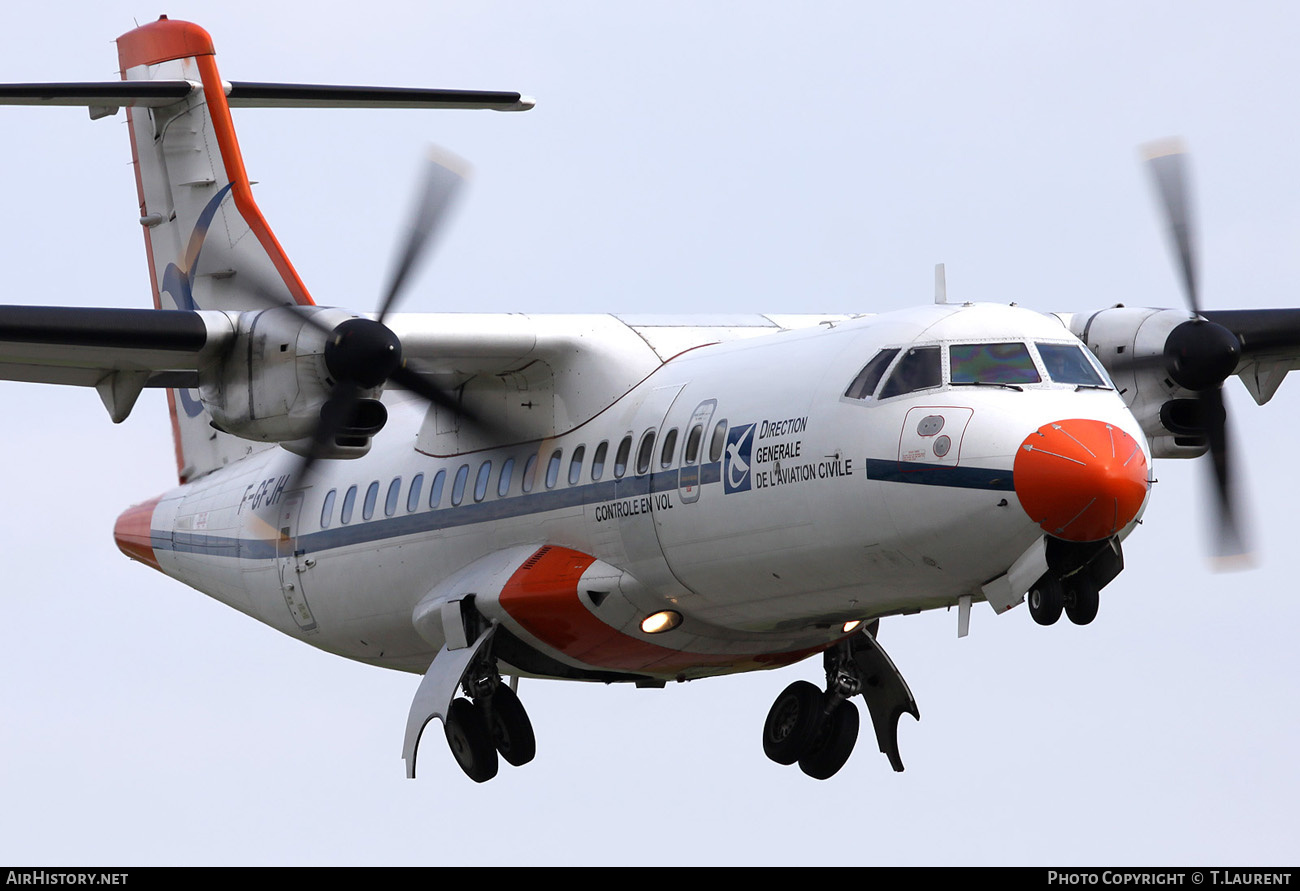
[(865, 383), (1066, 363), (992, 363), (918, 369)]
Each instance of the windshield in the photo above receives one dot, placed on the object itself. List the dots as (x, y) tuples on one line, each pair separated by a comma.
[(1067, 363), (918, 369), (992, 363)]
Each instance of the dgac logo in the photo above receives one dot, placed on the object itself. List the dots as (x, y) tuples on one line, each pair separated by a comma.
[(735, 462)]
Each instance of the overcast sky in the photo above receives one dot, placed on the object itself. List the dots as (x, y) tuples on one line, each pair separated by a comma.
[(682, 157)]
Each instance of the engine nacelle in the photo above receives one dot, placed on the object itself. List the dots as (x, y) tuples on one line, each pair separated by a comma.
[(273, 383), (1130, 342)]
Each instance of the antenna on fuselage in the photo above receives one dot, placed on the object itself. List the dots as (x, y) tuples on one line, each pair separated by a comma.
[(940, 284)]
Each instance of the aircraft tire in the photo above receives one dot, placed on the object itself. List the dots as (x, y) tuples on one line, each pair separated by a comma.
[(512, 732), (833, 744), (1082, 606), (470, 741), (792, 722), (1046, 600)]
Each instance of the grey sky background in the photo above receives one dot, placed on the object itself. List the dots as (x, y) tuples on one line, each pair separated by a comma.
[(683, 157)]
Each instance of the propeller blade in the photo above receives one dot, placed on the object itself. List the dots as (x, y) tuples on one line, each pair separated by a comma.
[(362, 354), (407, 377), (1229, 543), (1167, 163), (443, 177)]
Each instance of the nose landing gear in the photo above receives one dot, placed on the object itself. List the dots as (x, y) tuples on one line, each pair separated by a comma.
[(1074, 580), (818, 729)]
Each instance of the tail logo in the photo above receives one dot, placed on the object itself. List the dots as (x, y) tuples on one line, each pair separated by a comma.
[(178, 282)]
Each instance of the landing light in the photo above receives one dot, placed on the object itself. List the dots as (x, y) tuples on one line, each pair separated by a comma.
[(664, 620), (851, 626)]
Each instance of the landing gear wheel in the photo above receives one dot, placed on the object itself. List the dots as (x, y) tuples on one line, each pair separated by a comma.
[(833, 743), (792, 722), (470, 741), (512, 732), (1081, 605), (1046, 599)]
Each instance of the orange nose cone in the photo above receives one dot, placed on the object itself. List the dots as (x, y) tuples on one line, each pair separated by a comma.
[(1081, 480)]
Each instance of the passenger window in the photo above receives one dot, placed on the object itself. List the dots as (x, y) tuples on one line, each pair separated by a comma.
[(919, 369), (368, 506), (435, 491), (575, 465), (991, 363), (481, 481), (349, 502), (1067, 363), (530, 472), (598, 460), (413, 497), (553, 469), (390, 500), (327, 509), (865, 383), (693, 444), (458, 485), (718, 440), (507, 471), (669, 449), (621, 456), (645, 451)]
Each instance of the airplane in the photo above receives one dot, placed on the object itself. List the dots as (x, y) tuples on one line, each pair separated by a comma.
[(614, 498)]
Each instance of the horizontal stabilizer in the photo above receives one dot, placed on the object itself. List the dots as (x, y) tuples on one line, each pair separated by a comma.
[(105, 98), (112, 94), (243, 94)]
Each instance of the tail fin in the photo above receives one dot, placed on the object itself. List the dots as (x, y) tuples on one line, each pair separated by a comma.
[(201, 225), (209, 247)]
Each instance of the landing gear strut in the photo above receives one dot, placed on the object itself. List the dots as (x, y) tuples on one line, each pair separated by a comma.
[(818, 729)]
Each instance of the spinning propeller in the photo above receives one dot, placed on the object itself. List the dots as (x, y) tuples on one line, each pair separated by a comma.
[(362, 354), (1199, 355)]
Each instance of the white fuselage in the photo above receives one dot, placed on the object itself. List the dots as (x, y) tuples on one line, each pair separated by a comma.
[(810, 509)]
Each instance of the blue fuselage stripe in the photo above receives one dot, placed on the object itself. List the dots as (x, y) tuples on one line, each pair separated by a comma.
[(939, 475), (539, 502)]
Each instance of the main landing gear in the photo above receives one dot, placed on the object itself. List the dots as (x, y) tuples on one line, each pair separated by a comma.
[(818, 729), (1074, 579), (493, 724), (485, 724)]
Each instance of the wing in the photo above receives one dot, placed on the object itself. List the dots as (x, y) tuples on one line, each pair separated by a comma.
[(1270, 346), (117, 351)]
